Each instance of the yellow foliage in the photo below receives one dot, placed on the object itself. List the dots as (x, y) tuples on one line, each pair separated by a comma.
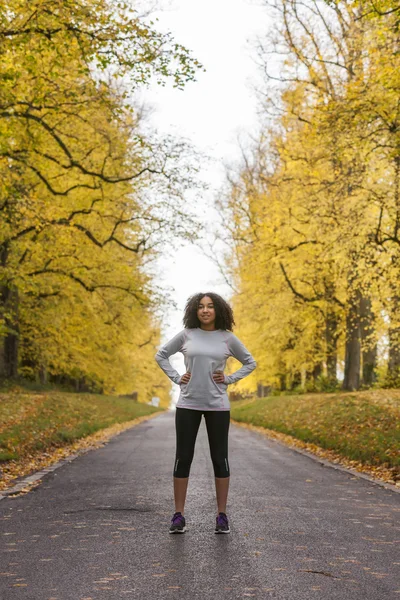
[(85, 196), (315, 207)]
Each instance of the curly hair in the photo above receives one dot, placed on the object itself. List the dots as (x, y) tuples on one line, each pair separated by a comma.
[(223, 312)]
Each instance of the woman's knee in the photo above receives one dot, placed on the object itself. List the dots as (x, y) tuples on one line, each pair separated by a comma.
[(221, 466), (182, 466)]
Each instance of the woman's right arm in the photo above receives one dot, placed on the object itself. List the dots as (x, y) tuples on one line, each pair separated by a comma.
[(170, 348)]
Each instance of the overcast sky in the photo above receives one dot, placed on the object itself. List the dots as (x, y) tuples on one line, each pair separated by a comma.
[(211, 113)]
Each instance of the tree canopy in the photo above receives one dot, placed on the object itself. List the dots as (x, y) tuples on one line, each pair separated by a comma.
[(315, 203), (87, 194)]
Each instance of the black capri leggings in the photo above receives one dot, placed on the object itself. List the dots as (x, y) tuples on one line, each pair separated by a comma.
[(187, 422)]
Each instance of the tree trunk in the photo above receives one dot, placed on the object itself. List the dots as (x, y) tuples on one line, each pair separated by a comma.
[(282, 382), (331, 337), (369, 345), (312, 375), (43, 375), (317, 371), (296, 380), (393, 375), (9, 355), (331, 332), (352, 365), (9, 308)]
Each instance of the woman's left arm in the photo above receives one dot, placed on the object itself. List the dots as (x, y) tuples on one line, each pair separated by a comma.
[(240, 352)]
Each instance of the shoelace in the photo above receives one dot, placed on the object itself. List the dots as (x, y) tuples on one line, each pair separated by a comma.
[(222, 519), (176, 519)]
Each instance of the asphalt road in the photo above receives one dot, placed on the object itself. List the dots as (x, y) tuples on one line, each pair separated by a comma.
[(97, 528)]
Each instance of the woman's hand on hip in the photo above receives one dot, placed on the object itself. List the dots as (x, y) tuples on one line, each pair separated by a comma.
[(219, 377), (185, 378)]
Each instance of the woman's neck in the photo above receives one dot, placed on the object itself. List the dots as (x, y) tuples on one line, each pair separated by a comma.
[(210, 327)]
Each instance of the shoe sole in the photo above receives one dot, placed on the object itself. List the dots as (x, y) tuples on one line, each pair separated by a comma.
[(178, 530), (228, 531)]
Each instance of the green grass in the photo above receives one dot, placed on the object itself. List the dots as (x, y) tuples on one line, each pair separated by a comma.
[(362, 426), (37, 422)]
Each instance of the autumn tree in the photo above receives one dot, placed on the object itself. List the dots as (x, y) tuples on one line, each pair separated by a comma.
[(86, 196), (318, 270)]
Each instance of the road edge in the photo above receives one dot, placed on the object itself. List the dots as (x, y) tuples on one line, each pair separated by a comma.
[(322, 461), (28, 483)]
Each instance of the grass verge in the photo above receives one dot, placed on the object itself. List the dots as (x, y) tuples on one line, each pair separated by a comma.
[(37, 429), (361, 428)]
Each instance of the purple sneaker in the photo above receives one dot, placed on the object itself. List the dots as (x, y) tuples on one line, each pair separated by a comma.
[(178, 523), (222, 524)]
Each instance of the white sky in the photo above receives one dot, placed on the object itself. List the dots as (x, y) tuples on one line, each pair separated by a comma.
[(211, 113)]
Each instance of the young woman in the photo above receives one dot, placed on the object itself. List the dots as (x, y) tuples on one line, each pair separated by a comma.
[(206, 343)]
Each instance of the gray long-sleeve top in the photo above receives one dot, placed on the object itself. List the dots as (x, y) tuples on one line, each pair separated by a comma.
[(204, 353)]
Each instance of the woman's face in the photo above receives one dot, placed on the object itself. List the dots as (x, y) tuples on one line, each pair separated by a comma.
[(206, 311)]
